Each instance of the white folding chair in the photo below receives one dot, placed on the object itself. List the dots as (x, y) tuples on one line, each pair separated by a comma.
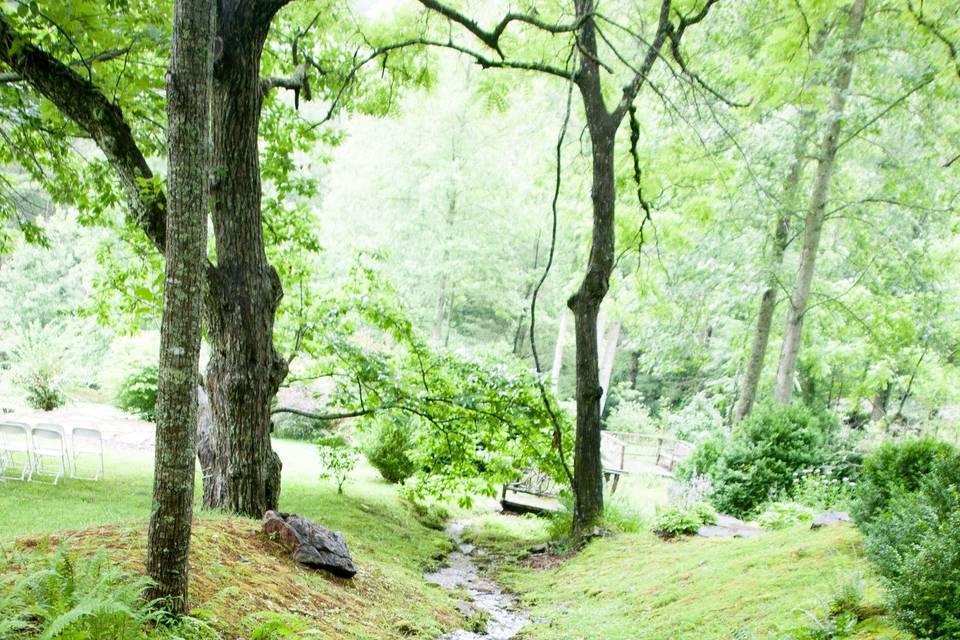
[(14, 442), (48, 444), (85, 440)]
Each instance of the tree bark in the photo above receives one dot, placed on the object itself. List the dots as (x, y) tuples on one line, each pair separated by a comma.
[(813, 224), (245, 370), (768, 300), (188, 148), (585, 304)]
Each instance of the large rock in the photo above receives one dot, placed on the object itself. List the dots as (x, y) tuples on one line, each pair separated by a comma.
[(828, 518), (309, 543)]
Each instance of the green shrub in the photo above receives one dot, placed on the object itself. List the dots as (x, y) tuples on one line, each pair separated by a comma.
[(291, 426), (780, 515), (138, 393), (631, 415), (893, 468), (337, 459), (764, 453), (677, 520), (43, 390), (821, 488), (433, 516), (703, 461), (390, 448), (914, 540), (698, 419)]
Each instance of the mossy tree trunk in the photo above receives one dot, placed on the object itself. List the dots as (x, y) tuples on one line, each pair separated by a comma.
[(188, 150), (241, 470)]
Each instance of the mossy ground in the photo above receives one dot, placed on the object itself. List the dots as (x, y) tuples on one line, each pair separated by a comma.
[(634, 586), (240, 579)]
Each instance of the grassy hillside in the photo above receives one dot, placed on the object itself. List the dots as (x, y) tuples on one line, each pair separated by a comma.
[(637, 587), (239, 579)]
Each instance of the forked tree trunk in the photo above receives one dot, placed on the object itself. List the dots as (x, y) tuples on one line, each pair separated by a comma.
[(768, 300), (813, 224), (188, 109), (241, 471)]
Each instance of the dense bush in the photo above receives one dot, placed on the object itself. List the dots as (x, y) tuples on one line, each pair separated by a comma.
[(914, 539), (698, 419), (703, 461), (390, 447), (43, 390), (631, 415), (138, 393), (895, 467), (763, 455)]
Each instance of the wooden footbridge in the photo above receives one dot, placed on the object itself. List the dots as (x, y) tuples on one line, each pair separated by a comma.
[(622, 454)]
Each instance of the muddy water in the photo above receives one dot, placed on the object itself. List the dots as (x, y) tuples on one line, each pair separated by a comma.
[(504, 618)]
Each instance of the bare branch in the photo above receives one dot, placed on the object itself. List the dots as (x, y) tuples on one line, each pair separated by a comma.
[(492, 38), (323, 416), (296, 82), (664, 29)]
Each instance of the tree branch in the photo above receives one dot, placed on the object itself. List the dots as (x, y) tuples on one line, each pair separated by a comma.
[(82, 102), (937, 33), (9, 78), (664, 28), (323, 416)]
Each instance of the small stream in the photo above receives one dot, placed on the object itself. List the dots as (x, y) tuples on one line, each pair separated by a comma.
[(504, 618)]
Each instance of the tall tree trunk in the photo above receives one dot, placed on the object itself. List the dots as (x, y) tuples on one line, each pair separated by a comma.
[(241, 470), (768, 300), (188, 148), (813, 224), (585, 304)]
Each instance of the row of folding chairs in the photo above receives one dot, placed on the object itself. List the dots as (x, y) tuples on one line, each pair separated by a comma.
[(39, 452)]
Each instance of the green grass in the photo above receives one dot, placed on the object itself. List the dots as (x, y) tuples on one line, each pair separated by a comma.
[(240, 579), (628, 587), (637, 587)]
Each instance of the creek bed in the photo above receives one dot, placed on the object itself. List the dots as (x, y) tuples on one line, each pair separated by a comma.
[(504, 619)]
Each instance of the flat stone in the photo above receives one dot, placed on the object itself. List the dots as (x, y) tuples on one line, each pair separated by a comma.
[(829, 518), (729, 527)]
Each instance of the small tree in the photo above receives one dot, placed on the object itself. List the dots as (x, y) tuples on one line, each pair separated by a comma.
[(337, 458)]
